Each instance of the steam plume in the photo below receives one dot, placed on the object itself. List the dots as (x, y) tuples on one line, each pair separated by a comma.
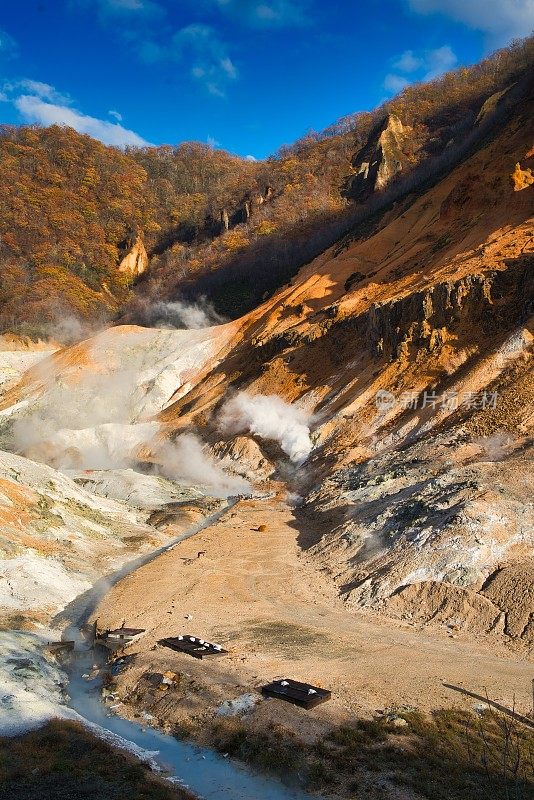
[(179, 314), (186, 459), (269, 417), (100, 422)]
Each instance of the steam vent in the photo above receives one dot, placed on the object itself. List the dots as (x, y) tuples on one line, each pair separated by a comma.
[(266, 402)]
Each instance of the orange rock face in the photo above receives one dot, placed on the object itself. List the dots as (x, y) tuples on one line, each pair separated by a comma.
[(135, 262)]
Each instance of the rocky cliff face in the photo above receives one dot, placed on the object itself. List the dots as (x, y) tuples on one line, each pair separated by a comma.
[(413, 346), (522, 176), (423, 531), (135, 262), (410, 345), (381, 158), (56, 539)]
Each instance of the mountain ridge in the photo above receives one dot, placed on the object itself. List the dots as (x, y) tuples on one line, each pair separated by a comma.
[(431, 301), (281, 212)]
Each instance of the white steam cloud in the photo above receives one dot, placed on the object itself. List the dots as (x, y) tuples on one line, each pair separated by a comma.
[(119, 446), (495, 447), (180, 314), (186, 459), (269, 417), (107, 446), (102, 420), (69, 329)]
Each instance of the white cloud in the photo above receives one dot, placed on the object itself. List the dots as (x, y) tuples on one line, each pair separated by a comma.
[(407, 62), (8, 46), (424, 66), (39, 89), (439, 61), (40, 103), (200, 40), (395, 83), (124, 5), (280, 13), (143, 29), (250, 158), (212, 142), (33, 109), (214, 89), (202, 46), (502, 20), (127, 8), (229, 68), (116, 115), (270, 13)]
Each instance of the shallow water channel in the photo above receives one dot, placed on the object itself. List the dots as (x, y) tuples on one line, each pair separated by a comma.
[(202, 770)]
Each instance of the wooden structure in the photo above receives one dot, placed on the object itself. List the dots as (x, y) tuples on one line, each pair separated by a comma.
[(120, 637), (300, 694), (60, 647), (193, 646)]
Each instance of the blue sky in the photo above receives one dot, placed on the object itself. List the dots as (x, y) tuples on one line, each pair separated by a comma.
[(245, 75)]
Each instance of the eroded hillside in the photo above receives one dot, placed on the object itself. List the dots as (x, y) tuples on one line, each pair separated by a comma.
[(91, 234), (376, 410), (412, 347), (407, 348)]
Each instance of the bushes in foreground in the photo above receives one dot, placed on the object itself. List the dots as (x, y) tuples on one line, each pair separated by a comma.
[(63, 761), (452, 755)]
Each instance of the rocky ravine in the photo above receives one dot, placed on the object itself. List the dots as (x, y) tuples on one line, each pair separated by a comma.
[(418, 479), (424, 499), (62, 529)]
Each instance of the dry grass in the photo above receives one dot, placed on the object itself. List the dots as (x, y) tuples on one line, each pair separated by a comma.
[(285, 637), (454, 755), (62, 761)]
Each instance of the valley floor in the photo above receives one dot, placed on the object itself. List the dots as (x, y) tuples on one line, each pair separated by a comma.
[(260, 596)]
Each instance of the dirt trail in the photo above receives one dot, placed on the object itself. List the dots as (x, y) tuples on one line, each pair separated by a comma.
[(257, 593)]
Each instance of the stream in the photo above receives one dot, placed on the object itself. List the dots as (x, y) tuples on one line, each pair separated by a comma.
[(205, 772), (202, 770)]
